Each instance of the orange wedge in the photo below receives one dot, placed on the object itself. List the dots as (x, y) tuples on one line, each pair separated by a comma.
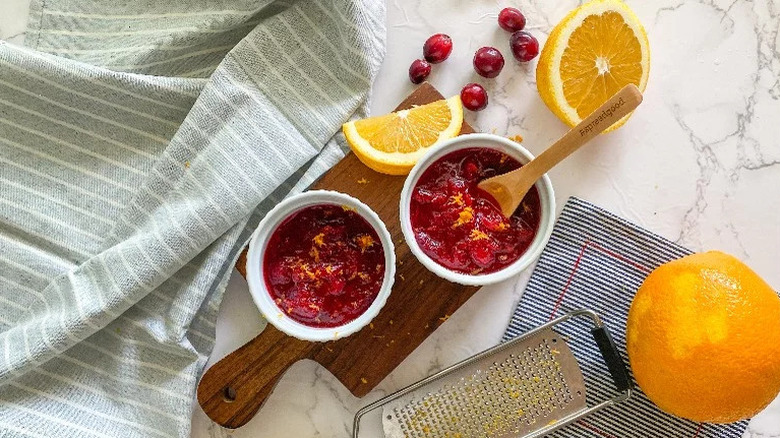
[(591, 54), (393, 143)]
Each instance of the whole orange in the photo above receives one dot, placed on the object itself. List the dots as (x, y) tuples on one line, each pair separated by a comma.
[(703, 338)]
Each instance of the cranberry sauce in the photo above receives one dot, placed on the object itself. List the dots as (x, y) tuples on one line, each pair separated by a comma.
[(460, 226), (324, 265)]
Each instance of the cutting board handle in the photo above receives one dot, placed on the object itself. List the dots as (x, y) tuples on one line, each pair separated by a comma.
[(234, 389)]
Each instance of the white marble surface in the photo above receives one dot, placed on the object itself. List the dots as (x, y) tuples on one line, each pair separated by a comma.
[(699, 163)]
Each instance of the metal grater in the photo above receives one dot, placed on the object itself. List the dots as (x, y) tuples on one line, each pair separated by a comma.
[(526, 387)]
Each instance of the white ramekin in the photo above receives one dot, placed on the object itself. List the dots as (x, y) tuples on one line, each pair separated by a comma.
[(256, 279), (546, 198)]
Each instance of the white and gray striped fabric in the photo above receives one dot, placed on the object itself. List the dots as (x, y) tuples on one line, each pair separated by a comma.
[(596, 260), (132, 174)]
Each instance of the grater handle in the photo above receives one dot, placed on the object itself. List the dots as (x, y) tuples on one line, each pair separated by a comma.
[(609, 351)]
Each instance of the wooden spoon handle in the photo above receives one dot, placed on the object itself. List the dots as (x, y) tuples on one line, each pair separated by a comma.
[(235, 388), (614, 109), (510, 188)]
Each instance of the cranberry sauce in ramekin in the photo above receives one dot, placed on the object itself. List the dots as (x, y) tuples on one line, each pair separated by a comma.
[(460, 226), (324, 265)]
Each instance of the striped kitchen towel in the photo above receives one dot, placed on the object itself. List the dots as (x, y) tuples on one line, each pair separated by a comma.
[(596, 260), (140, 145)]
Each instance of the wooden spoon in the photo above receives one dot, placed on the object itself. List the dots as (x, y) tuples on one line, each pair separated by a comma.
[(510, 188)]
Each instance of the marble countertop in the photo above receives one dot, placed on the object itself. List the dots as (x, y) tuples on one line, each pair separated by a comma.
[(699, 163)]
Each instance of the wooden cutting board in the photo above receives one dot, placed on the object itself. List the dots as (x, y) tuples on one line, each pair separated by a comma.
[(233, 390)]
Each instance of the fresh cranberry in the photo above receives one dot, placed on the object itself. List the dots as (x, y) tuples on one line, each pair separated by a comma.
[(474, 97), (524, 46), (511, 19), (437, 48), (488, 62), (419, 70)]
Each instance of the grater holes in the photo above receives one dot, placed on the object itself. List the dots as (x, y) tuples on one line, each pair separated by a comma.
[(518, 390)]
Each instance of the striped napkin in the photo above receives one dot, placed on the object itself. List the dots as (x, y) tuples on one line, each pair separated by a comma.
[(129, 183), (597, 260)]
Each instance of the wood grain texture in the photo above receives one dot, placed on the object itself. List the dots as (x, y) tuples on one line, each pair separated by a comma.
[(418, 304)]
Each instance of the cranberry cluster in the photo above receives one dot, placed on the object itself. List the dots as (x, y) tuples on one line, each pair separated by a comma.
[(436, 49), (488, 61)]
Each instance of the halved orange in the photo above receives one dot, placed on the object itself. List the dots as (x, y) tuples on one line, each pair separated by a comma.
[(393, 143), (590, 55)]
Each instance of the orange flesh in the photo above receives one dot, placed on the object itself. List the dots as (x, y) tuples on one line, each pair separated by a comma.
[(594, 66), (406, 131)]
